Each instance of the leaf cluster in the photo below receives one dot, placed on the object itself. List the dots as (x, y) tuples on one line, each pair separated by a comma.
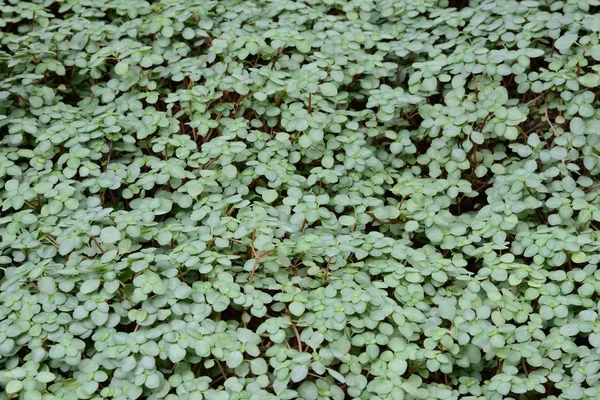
[(318, 199)]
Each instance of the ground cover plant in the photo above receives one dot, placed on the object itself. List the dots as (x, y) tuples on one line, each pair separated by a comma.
[(316, 199)]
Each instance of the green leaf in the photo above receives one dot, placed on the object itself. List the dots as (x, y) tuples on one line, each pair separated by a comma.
[(234, 359), (590, 80), (511, 132), (14, 386), (303, 46), (230, 171), (578, 257), (382, 386), (176, 353), (296, 308), (45, 377), (241, 88), (347, 220), (594, 339), (565, 42), (153, 381), (47, 285), (434, 234), (259, 366), (260, 96), (570, 329), (341, 346), (90, 286), (36, 101), (308, 390), (121, 68), (110, 235), (98, 317), (269, 195), (337, 376), (411, 226), (150, 348), (414, 314), (32, 395), (299, 373), (264, 243), (328, 89), (577, 126), (398, 366), (167, 31)]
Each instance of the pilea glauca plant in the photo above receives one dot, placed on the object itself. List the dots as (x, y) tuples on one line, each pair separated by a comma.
[(317, 199)]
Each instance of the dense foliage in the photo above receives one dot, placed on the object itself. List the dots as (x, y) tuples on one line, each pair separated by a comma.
[(317, 199)]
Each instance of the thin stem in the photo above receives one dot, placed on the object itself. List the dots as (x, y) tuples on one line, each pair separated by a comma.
[(596, 186), (534, 99), (327, 269), (303, 226), (372, 215), (31, 205), (53, 241), (221, 368), (550, 122), (256, 260), (354, 78), (297, 337), (97, 244), (18, 96), (110, 148), (277, 56)]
